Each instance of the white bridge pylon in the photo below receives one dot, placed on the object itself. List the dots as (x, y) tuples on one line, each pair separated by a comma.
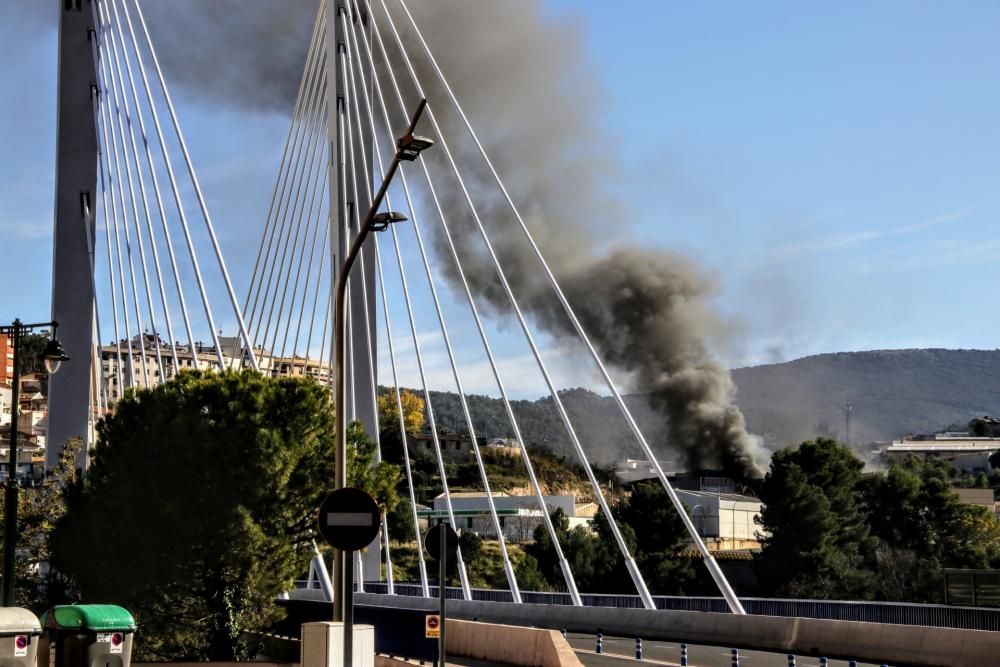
[(361, 81)]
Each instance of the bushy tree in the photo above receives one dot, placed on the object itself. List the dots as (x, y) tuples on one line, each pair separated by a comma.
[(651, 529), (388, 420), (380, 480), (814, 530), (38, 586), (660, 536), (199, 508), (921, 527)]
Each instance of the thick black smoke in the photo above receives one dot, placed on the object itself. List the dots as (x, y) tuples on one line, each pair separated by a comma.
[(525, 80)]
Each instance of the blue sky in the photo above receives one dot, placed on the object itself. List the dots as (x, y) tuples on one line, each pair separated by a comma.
[(834, 165)]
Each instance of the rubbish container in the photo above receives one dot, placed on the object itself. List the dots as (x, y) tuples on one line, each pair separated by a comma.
[(19, 635), (86, 635)]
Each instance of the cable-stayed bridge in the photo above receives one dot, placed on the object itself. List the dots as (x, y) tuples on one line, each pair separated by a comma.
[(136, 249)]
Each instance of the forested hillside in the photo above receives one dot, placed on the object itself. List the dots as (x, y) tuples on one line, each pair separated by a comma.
[(892, 392)]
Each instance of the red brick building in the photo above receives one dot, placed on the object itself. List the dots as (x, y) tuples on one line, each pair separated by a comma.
[(6, 360)]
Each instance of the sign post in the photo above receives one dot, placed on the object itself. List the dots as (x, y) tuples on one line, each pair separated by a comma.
[(349, 519), (441, 541)]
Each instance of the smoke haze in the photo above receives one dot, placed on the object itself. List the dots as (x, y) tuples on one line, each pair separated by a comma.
[(532, 93)]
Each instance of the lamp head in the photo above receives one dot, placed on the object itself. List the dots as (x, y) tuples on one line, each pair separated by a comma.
[(381, 221), (54, 355), (409, 147)]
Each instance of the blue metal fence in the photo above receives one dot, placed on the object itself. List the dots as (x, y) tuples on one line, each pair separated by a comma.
[(898, 613)]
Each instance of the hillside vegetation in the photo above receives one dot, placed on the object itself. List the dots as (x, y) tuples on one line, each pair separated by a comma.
[(892, 392)]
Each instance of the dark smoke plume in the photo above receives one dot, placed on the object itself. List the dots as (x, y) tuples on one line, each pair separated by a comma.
[(248, 54), (529, 88)]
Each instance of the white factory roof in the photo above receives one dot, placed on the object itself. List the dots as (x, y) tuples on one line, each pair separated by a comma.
[(946, 445)]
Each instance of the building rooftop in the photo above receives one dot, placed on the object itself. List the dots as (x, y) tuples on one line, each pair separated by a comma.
[(473, 494), (967, 444), (731, 497)]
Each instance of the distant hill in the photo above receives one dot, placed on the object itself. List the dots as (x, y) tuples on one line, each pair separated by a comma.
[(892, 392)]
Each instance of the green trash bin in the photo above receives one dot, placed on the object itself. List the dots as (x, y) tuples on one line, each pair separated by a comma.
[(86, 635), (19, 635)]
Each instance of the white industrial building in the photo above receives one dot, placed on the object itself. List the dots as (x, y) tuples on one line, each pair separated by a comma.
[(518, 515), (724, 520), (967, 453)]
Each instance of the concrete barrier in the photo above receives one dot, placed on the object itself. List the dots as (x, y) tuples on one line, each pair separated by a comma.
[(510, 644), (875, 642)]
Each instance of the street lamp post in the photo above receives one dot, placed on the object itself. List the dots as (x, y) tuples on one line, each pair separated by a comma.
[(408, 147), (54, 356)]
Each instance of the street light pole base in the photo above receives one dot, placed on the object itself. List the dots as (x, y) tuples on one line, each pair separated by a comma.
[(323, 645)]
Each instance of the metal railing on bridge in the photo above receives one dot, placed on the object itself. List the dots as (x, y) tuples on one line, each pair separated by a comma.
[(897, 613)]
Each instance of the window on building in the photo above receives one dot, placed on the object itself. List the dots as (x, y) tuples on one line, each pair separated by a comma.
[(458, 446)]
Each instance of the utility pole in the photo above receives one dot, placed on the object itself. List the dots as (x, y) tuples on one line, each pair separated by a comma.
[(847, 424)]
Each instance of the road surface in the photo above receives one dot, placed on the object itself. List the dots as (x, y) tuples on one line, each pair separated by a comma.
[(618, 651)]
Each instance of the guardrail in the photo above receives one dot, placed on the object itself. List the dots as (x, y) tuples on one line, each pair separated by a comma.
[(895, 613)]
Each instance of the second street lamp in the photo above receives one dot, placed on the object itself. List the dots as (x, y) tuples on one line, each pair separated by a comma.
[(53, 356)]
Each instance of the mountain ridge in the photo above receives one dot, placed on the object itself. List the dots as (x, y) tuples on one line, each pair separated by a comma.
[(892, 392)]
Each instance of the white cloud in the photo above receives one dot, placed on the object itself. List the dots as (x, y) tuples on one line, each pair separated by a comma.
[(838, 241)]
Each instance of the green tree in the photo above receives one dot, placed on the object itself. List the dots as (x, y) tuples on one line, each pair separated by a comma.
[(38, 509), (31, 348), (814, 530), (529, 576), (381, 479), (199, 508), (660, 537), (388, 419), (921, 527)]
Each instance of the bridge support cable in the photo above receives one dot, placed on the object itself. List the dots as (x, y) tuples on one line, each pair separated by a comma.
[(421, 563), (269, 228), (115, 158), (306, 151), (716, 573), (164, 224), (547, 519), (201, 202), (113, 233), (630, 563), (415, 224), (262, 289), (124, 125), (99, 397), (311, 320), (315, 303), (463, 575), (95, 101), (314, 223), (115, 43), (172, 179), (311, 182)]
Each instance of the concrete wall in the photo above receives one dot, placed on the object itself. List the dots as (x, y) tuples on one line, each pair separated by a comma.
[(510, 644), (907, 644)]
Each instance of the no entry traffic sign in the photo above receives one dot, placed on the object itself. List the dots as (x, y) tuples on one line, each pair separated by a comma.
[(432, 626), (349, 519)]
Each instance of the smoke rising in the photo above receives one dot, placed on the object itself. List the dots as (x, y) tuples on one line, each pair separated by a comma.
[(530, 89), (245, 53)]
